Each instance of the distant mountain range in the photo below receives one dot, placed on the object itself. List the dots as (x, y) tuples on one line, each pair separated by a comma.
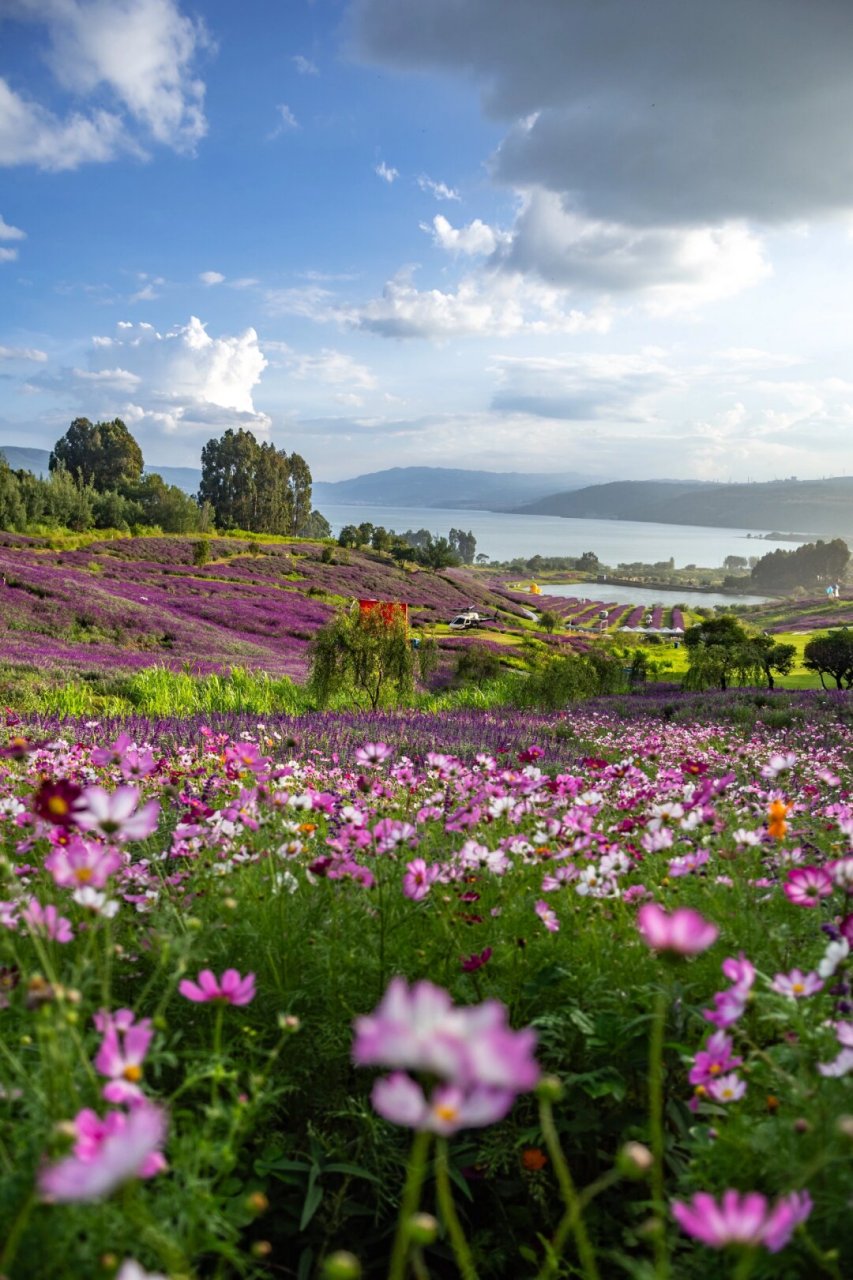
[(36, 460), (444, 487), (819, 507)]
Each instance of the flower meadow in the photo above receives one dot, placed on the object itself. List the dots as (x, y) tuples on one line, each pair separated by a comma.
[(429, 996)]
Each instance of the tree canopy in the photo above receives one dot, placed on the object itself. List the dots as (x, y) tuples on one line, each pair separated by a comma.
[(255, 486), (101, 454), (831, 655), (810, 565), (721, 651)]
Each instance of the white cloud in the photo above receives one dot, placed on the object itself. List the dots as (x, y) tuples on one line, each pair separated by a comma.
[(304, 65), (385, 172), (480, 305), (335, 367), (581, 387), (8, 232), (141, 53), (440, 190), (211, 277), (287, 120), (477, 238), (23, 353), (177, 382), (8, 255)]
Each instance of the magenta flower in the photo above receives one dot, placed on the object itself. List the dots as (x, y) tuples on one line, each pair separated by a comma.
[(740, 971), (475, 961), (685, 932), (728, 1007), (742, 1219), (806, 886), (121, 1055), (548, 916), (229, 989), (401, 1100), (82, 862), (47, 921), (797, 984), (115, 814), (714, 1060), (107, 1153), (419, 879), (420, 1029)]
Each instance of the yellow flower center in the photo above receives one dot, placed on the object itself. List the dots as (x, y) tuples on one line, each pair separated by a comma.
[(83, 874), (445, 1111), (132, 1072), (798, 988), (57, 805), (715, 1068)]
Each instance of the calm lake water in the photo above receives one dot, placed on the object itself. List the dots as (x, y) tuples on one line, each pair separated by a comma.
[(608, 594), (505, 537)]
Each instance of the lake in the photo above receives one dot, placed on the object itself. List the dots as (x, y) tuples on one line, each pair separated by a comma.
[(610, 594), (502, 536)]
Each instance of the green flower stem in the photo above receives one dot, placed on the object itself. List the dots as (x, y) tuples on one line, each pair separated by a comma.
[(10, 1247), (217, 1053), (656, 1132), (415, 1174), (746, 1265), (572, 1220), (449, 1215)]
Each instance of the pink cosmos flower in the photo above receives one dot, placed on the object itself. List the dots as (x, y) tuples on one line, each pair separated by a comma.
[(475, 961), (742, 1219), (115, 814), (419, 879), (401, 1100), (373, 753), (47, 921), (796, 984), (806, 886), (229, 989), (714, 1060), (82, 862), (740, 971), (419, 1028), (107, 1153), (548, 916), (122, 1054), (131, 1270), (685, 932), (103, 756), (728, 1088), (843, 1063), (728, 1007)]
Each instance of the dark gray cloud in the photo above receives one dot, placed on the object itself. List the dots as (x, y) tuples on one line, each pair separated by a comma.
[(660, 113)]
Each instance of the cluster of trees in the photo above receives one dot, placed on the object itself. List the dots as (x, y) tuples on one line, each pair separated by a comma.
[(721, 651), (588, 562), (258, 487), (96, 481), (831, 655), (811, 565), (368, 659), (418, 546)]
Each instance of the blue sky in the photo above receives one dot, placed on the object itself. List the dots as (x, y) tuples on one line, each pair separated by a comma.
[(440, 232)]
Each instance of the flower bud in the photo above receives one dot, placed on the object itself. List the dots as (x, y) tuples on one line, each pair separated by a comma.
[(257, 1202), (550, 1089), (342, 1266), (261, 1249), (845, 1126), (634, 1160), (422, 1228), (288, 1022)]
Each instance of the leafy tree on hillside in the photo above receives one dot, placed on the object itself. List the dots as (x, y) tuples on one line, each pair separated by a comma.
[(809, 566), (721, 650), (101, 454), (12, 510), (463, 544), (832, 655), (253, 486), (369, 657)]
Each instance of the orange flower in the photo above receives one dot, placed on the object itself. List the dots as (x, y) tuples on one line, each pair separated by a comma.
[(532, 1159), (777, 814)]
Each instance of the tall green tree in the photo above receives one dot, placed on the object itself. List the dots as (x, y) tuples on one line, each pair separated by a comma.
[(831, 655), (255, 486), (101, 454)]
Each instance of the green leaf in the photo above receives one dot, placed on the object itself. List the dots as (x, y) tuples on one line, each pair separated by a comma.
[(353, 1169), (311, 1205)]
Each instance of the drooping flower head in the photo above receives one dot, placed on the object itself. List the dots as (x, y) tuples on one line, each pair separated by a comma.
[(107, 1153), (685, 932)]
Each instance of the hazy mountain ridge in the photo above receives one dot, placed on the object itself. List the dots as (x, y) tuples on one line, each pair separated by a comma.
[(819, 507), (444, 487)]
